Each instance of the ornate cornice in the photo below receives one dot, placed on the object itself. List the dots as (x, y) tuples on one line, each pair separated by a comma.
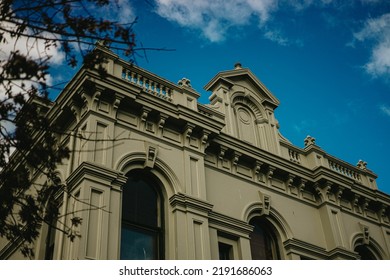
[(186, 203)]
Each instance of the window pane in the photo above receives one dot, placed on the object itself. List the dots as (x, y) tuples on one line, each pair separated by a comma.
[(139, 203), (225, 251), (137, 244), (141, 232), (263, 244), (365, 253)]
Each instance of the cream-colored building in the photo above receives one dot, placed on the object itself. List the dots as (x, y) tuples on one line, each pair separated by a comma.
[(156, 175)]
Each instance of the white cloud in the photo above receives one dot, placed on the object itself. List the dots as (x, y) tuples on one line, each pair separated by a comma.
[(385, 109), (214, 18), (30, 47), (377, 30), (34, 48), (304, 125), (277, 36), (125, 11), (117, 11)]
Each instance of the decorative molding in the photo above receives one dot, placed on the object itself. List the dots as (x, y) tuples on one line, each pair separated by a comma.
[(302, 248), (145, 113), (257, 169), (364, 205), (365, 232), (161, 121), (323, 190), (270, 173), (151, 154), (188, 130), (266, 203), (222, 152), (338, 194), (309, 141), (229, 224), (185, 203), (184, 82), (362, 165), (302, 186), (355, 203), (204, 140), (236, 158), (290, 180), (117, 102)]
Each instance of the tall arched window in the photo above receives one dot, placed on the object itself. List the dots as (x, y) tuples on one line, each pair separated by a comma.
[(141, 230), (364, 252), (263, 241)]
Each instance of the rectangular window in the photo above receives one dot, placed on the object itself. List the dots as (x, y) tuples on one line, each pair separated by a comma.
[(225, 251), (228, 247)]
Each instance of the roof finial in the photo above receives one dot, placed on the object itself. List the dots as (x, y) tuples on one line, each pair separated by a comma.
[(237, 65), (309, 141), (184, 82)]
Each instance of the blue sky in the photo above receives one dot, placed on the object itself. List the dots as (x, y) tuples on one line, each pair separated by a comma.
[(328, 62)]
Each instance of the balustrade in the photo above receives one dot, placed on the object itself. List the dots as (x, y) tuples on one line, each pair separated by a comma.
[(344, 170), (148, 85), (294, 156)]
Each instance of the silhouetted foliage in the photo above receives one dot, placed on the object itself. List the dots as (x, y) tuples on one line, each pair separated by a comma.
[(32, 33)]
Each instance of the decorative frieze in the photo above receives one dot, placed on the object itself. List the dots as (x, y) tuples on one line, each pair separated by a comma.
[(323, 190), (302, 186), (144, 114), (338, 194), (270, 172), (291, 186), (258, 175), (236, 157), (161, 121)]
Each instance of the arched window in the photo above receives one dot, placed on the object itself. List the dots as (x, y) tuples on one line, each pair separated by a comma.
[(364, 252), (141, 230), (263, 241)]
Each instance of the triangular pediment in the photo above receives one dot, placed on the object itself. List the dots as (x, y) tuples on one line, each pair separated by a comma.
[(244, 78)]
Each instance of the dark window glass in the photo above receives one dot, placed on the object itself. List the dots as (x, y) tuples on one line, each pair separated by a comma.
[(139, 203), (365, 253), (141, 232), (225, 251), (263, 241), (50, 239)]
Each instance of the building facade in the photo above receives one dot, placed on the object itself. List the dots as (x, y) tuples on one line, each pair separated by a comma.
[(156, 175)]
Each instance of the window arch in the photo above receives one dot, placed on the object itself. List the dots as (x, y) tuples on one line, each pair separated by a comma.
[(246, 125), (263, 240), (248, 114), (142, 213)]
